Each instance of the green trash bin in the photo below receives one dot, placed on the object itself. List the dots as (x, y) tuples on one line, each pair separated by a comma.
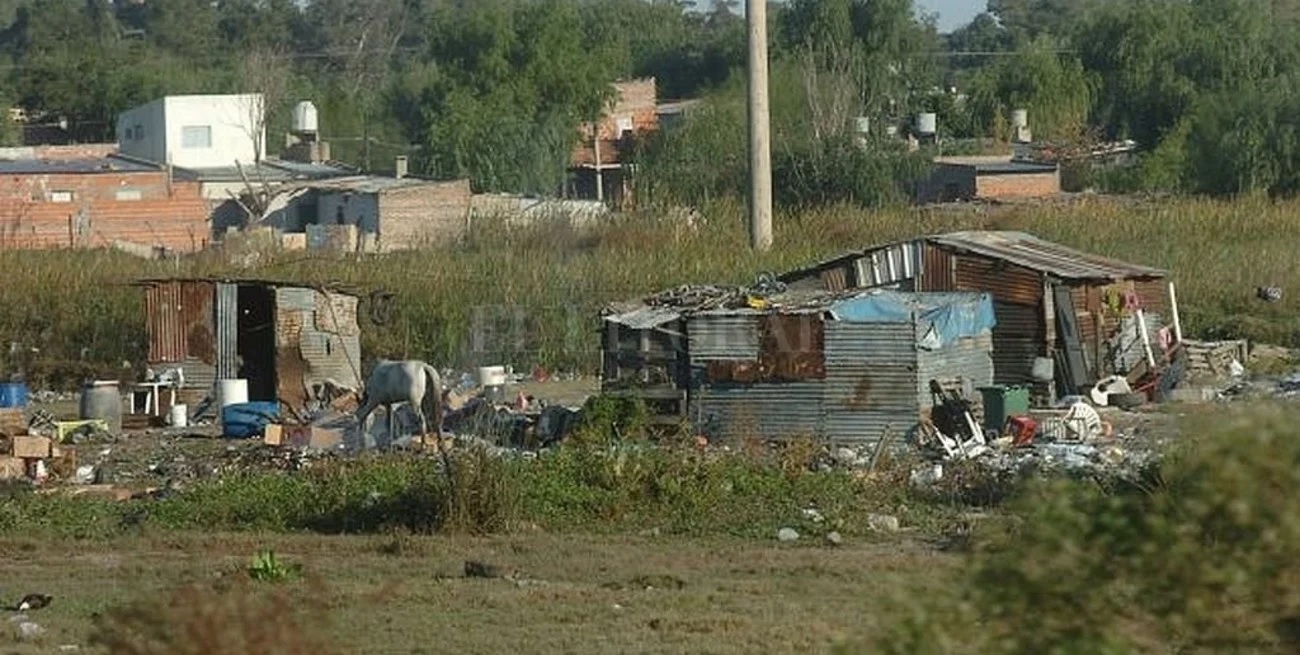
[(1002, 402)]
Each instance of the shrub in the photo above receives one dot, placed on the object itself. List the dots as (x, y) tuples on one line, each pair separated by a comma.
[(1198, 557)]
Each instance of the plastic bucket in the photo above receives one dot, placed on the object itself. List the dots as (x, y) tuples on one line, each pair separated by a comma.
[(179, 415), (246, 420), (101, 400), (491, 376), (13, 394), (233, 391)]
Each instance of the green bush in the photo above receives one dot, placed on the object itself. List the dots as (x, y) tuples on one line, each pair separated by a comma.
[(1198, 557)]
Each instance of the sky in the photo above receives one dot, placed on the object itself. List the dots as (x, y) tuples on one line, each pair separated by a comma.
[(952, 13)]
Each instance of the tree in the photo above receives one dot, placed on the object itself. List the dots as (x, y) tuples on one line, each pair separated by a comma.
[(263, 70)]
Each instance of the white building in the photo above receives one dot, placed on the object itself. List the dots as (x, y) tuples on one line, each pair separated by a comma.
[(196, 131)]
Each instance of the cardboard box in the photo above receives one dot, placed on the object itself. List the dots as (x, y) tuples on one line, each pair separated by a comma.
[(301, 436), (32, 447), (13, 421)]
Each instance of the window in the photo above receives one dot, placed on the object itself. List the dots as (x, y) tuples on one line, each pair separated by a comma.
[(623, 125), (127, 194), (196, 136), (61, 196)]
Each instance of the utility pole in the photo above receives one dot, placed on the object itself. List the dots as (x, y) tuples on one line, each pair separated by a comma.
[(760, 150)]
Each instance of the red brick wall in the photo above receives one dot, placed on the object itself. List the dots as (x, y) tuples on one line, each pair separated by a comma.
[(636, 99), (89, 187), (28, 219), (1017, 185)]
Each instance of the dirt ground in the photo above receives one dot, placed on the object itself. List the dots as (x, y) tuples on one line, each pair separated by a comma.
[(571, 594)]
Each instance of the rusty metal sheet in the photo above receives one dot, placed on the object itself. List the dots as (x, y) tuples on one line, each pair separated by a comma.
[(1007, 283), (732, 371), (162, 302), (791, 347), (936, 269), (1018, 338), (1154, 294), (198, 321), (835, 279), (1037, 254)]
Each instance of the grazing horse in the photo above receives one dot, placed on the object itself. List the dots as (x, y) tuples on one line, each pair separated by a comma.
[(411, 381)]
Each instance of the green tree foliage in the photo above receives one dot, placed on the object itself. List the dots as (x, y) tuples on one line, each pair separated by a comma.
[(1247, 140), (1054, 88)]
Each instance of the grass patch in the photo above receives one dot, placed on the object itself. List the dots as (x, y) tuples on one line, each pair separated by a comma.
[(631, 487), (75, 308)]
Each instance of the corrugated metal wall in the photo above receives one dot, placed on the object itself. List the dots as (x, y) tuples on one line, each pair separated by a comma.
[(227, 320), (1020, 334), (875, 379), (162, 306), (965, 365), (871, 380), (716, 337), (771, 411)]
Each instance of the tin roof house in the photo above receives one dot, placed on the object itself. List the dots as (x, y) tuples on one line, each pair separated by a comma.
[(288, 341), (847, 367), (1065, 318)]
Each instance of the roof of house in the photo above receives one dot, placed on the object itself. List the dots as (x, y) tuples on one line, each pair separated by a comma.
[(268, 170), (87, 165), (332, 288), (996, 165), (371, 183), (1018, 248)]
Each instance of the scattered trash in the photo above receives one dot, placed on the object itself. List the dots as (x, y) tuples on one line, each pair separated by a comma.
[(927, 475), (29, 630), (813, 515), (787, 535), (883, 523), (833, 538)]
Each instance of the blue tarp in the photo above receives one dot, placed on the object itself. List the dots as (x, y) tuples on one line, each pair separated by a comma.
[(949, 316)]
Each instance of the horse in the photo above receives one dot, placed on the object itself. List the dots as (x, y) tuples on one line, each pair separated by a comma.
[(410, 381)]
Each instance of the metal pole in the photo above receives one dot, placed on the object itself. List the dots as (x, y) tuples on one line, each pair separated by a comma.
[(760, 153)]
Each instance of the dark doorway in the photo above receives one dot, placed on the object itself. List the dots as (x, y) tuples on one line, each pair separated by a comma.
[(256, 341)]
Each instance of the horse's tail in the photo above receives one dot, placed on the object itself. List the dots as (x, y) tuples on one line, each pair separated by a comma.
[(433, 392)]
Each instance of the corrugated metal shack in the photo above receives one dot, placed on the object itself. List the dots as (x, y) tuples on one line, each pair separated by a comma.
[(844, 367), (284, 338), (1076, 309)]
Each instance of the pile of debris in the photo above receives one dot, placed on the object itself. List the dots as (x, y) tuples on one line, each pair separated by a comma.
[(40, 449)]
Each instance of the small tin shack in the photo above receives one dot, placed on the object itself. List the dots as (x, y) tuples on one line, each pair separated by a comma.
[(844, 367), (1058, 308), (286, 339)]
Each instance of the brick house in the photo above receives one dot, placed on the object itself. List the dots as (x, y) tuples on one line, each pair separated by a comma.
[(596, 169), (988, 178), (79, 196)]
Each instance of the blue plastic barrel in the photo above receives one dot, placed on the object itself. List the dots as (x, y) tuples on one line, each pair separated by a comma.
[(247, 420), (13, 394)]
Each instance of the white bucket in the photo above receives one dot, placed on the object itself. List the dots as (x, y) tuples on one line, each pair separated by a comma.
[(233, 391), (491, 376), (179, 416)]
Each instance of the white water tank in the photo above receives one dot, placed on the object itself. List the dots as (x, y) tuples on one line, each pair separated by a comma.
[(1019, 118), (927, 123), (305, 119)]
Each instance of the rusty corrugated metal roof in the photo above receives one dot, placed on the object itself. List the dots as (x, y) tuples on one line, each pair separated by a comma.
[(1018, 248), (1027, 250)]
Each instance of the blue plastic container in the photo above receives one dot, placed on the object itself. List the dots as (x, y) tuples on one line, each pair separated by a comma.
[(13, 394), (247, 420)]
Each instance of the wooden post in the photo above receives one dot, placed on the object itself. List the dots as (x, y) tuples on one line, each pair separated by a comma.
[(595, 146), (760, 153)]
